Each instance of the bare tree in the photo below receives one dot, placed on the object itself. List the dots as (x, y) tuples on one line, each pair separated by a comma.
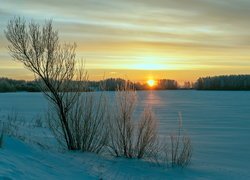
[(54, 65)]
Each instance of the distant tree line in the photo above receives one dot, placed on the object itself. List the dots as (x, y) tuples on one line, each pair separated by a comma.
[(164, 84), (111, 84), (226, 82), (230, 82), (10, 85)]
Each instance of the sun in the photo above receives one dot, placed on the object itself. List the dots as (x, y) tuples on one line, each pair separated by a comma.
[(151, 82)]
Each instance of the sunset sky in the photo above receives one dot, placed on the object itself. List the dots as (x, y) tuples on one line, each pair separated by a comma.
[(142, 39)]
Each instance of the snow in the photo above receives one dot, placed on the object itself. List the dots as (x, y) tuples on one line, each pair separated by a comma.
[(217, 121), (21, 161)]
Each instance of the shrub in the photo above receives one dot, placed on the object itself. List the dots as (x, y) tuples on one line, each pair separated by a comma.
[(87, 120), (179, 152), (129, 138), (146, 135)]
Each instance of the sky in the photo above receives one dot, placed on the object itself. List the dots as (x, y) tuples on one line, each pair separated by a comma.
[(142, 39)]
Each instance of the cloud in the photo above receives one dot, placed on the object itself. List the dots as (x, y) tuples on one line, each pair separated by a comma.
[(113, 33)]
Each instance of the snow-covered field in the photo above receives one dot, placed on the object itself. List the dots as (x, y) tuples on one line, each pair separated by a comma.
[(217, 121)]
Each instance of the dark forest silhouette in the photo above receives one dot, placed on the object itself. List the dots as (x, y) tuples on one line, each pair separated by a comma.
[(225, 82), (111, 84)]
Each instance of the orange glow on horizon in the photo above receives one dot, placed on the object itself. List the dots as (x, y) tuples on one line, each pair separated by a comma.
[(151, 83)]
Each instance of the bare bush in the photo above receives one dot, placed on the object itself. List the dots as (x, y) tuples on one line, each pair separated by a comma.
[(38, 121), (122, 127), (12, 123), (88, 119), (179, 152), (146, 135), (129, 138), (10, 126)]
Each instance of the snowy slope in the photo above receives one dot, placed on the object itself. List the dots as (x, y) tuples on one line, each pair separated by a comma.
[(21, 161)]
